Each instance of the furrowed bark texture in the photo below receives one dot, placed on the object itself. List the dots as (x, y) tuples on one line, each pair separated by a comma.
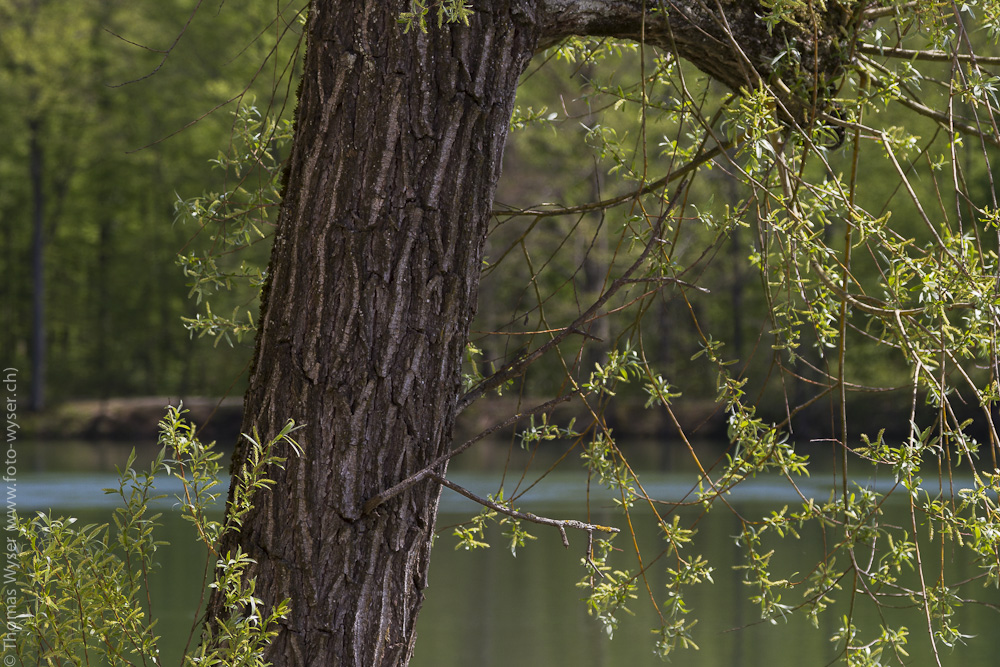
[(371, 290), (727, 39), (372, 287)]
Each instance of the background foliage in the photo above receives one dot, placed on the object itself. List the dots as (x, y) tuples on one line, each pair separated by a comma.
[(98, 92), (657, 239)]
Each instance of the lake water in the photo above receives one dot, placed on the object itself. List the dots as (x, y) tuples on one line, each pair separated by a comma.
[(486, 608)]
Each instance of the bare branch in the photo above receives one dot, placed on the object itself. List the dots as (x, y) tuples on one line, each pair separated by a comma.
[(135, 44), (615, 201), (561, 524), (947, 121), (166, 52), (668, 279), (375, 501), (929, 55), (518, 365)]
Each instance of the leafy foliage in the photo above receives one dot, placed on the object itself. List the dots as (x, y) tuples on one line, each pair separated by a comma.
[(86, 588), (445, 11), (832, 274), (236, 220)]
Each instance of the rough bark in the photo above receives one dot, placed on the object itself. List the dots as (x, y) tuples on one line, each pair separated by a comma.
[(727, 39), (371, 290), (372, 287)]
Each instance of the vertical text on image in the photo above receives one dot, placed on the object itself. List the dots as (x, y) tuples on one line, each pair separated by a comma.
[(8, 381)]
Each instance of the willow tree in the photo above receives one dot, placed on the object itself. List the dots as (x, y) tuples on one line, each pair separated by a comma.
[(403, 113)]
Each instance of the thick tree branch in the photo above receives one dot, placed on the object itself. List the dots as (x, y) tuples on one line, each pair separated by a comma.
[(718, 36)]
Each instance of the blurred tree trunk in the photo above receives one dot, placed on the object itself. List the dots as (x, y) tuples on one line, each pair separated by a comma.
[(36, 166), (371, 289)]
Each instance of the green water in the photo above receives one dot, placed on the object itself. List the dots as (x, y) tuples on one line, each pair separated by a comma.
[(488, 608)]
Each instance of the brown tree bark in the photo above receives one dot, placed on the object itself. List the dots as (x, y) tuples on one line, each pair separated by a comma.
[(371, 290), (372, 287)]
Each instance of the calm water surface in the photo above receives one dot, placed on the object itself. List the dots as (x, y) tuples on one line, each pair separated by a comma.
[(487, 608)]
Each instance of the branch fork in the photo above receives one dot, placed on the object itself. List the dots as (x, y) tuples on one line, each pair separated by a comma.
[(561, 524)]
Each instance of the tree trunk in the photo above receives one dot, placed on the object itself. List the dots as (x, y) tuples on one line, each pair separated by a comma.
[(371, 290), (36, 398), (372, 287)]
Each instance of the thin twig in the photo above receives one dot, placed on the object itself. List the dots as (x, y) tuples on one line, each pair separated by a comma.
[(667, 279), (882, 12), (929, 55), (621, 199), (561, 524), (590, 558), (874, 306), (947, 121), (515, 368), (396, 489), (165, 52)]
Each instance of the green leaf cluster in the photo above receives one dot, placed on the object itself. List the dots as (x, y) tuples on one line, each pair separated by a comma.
[(82, 592)]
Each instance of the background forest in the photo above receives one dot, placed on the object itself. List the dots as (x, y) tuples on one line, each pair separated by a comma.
[(120, 124), (103, 134)]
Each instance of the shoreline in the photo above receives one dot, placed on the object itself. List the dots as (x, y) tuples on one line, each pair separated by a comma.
[(136, 418)]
